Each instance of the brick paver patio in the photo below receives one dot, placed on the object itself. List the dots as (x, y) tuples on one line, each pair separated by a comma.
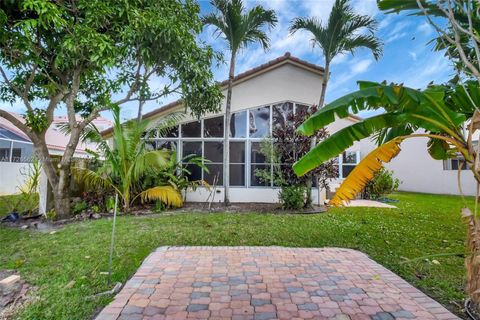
[(267, 283)]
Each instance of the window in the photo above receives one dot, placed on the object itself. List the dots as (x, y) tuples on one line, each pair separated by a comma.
[(5, 146), (259, 122), (237, 163), (238, 125), (281, 114), (172, 132), (258, 162), (22, 152), (192, 129), (454, 164), (213, 127), (347, 162), (166, 144), (193, 147), (213, 151), (247, 128)]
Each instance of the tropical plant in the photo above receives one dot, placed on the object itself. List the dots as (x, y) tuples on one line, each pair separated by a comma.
[(284, 148), (382, 184), (177, 173), (239, 28), (128, 162), (447, 115), (83, 55), (342, 34)]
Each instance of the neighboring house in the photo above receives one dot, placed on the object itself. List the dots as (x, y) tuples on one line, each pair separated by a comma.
[(419, 172), (261, 99), (16, 150)]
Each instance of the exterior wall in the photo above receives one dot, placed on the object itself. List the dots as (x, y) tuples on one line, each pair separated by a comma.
[(244, 194), (11, 177), (420, 173)]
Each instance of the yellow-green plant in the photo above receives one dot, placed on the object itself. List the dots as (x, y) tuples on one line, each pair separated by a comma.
[(127, 162)]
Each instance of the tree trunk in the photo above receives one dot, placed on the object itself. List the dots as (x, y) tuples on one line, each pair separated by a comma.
[(313, 140), (140, 108), (325, 79), (472, 260), (226, 144)]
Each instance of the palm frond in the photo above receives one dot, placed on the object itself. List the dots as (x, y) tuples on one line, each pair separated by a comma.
[(365, 171), (344, 139), (91, 179), (364, 41), (166, 194)]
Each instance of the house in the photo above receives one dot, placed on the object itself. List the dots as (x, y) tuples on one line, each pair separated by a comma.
[(16, 149), (261, 98), (419, 172)]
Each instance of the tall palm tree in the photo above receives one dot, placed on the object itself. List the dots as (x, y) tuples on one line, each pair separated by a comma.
[(341, 34), (239, 28)]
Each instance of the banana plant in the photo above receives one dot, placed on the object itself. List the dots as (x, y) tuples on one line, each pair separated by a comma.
[(127, 161), (448, 115)]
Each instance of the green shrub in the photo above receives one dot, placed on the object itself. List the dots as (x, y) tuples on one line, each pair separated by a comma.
[(110, 204), (79, 207), (292, 197), (383, 183)]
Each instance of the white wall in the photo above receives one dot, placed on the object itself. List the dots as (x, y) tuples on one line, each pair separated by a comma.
[(241, 194), (11, 177), (421, 173)]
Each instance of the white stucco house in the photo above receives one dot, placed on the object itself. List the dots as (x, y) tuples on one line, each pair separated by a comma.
[(261, 97)]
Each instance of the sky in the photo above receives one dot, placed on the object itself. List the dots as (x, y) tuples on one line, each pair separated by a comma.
[(407, 57)]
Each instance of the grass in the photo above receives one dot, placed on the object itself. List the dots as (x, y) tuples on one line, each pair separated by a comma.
[(423, 225)]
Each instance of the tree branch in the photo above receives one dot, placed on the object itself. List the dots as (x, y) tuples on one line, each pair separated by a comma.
[(15, 89), (17, 123)]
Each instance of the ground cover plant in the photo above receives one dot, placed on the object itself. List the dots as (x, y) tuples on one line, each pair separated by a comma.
[(79, 252)]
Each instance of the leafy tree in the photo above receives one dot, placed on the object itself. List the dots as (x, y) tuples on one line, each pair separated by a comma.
[(341, 34), (126, 165), (239, 28), (456, 23), (439, 113), (80, 54)]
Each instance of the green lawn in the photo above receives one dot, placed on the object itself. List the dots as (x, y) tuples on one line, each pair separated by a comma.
[(424, 225)]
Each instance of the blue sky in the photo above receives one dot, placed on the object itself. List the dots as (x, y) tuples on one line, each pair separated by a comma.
[(407, 57)]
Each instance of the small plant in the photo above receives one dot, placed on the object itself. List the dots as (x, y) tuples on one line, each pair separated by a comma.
[(292, 197), (110, 204), (79, 207), (95, 208), (382, 184), (159, 206), (51, 215)]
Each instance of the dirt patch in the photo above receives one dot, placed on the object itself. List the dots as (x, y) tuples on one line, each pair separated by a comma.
[(14, 296), (242, 207)]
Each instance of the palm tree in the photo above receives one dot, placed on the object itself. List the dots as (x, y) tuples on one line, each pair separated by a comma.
[(341, 34), (128, 161), (238, 28), (447, 115)]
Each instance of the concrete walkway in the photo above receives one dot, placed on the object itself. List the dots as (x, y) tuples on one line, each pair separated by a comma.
[(267, 283)]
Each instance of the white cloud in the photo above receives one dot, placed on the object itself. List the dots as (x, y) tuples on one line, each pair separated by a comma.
[(361, 66), (413, 55), (366, 7), (425, 28)]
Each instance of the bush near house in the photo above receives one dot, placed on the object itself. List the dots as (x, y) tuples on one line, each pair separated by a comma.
[(382, 184)]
